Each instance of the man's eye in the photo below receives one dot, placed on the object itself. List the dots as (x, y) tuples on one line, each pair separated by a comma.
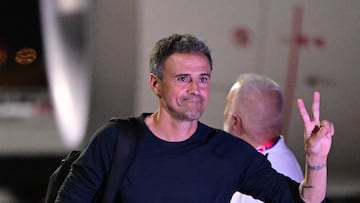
[(204, 79), (182, 79)]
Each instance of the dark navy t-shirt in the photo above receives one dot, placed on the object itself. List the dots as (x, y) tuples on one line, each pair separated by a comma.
[(208, 167)]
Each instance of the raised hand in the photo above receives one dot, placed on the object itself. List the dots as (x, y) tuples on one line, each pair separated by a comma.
[(317, 135)]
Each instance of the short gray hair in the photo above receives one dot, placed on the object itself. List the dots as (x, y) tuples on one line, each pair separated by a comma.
[(176, 43)]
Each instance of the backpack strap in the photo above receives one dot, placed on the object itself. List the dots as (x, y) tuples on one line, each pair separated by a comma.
[(128, 133)]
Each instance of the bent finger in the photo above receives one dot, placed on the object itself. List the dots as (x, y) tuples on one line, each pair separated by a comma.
[(329, 126)]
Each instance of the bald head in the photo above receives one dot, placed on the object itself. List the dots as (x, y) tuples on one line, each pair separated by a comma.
[(254, 108)]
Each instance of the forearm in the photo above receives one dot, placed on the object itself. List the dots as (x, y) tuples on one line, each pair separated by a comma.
[(313, 187)]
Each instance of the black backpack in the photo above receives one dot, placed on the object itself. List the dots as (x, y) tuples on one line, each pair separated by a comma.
[(126, 143)]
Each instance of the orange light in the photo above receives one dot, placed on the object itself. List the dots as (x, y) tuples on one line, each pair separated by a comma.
[(25, 56)]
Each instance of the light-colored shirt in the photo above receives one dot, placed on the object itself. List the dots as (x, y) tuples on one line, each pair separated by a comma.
[(283, 161)]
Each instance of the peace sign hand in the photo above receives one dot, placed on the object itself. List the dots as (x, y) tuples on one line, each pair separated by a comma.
[(317, 135)]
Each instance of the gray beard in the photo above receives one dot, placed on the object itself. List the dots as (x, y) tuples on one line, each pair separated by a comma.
[(187, 116)]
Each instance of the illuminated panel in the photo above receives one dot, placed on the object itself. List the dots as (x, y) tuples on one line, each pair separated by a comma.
[(68, 69)]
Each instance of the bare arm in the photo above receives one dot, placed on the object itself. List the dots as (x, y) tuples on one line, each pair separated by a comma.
[(317, 138)]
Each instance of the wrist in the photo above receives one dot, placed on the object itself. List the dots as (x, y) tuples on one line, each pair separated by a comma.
[(316, 162), (316, 167)]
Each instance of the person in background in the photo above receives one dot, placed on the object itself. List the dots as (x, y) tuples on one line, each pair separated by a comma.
[(180, 159), (254, 113)]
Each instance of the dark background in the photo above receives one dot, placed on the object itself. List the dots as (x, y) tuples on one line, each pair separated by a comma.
[(27, 176), (21, 28)]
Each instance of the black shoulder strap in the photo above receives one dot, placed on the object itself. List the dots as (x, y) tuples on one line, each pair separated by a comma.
[(128, 132)]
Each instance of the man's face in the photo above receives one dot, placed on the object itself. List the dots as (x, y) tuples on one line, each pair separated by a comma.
[(184, 89)]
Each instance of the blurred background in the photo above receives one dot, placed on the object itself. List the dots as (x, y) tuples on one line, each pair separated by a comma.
[(67, 66)]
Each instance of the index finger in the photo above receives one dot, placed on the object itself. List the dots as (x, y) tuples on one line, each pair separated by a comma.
[(303, 112)]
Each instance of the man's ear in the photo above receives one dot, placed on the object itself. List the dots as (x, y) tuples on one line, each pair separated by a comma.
[(154, 84), (237, 123)]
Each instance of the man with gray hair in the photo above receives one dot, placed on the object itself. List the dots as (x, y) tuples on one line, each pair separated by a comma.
[(254, 112)]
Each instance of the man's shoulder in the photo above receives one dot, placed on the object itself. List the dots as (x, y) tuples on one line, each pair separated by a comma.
[(214, 132), (227, 140)]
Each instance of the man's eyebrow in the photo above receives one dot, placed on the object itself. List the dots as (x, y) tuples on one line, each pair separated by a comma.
[(182, 74), (188, 74), (206, 74)]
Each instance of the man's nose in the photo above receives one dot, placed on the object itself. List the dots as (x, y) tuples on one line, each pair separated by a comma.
[(194, 87)]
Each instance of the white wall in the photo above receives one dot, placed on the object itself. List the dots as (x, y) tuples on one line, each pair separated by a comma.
[(331, 69)]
